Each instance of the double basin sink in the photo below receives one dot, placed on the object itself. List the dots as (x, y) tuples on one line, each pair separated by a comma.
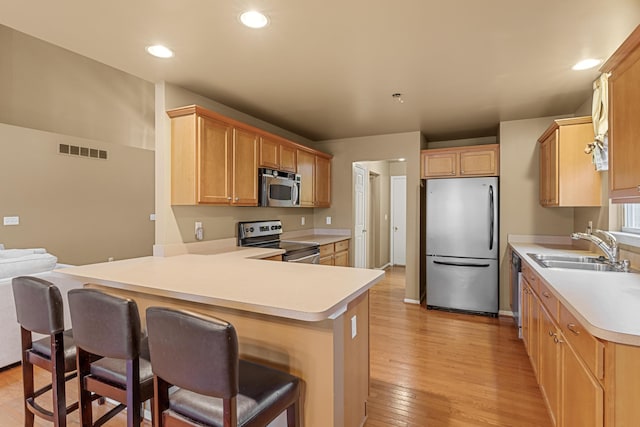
[(574, 262)]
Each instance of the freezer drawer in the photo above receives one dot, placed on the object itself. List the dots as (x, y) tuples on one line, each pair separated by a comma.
[(462, 284)]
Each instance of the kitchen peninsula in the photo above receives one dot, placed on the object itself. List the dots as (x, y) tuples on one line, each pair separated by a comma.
[(310, 320)]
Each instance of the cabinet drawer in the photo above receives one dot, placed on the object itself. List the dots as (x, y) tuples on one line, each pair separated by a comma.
[(531, 276), (590, 350), (549, 300), (326, 250), (342, 246)]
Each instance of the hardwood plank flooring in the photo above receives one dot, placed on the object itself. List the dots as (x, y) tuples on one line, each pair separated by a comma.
[(428, 368), (433, 368)]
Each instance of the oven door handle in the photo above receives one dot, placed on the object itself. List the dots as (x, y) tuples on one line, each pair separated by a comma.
[(304, 258)]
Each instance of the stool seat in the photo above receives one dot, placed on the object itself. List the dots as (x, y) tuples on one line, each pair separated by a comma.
[(43, 348), (114, 371), (260, 389)]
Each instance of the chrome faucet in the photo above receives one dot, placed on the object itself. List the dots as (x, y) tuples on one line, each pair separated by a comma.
[(610, 250)]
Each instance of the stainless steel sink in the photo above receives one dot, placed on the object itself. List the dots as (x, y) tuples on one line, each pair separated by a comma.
[(567, 258), (573, 262)]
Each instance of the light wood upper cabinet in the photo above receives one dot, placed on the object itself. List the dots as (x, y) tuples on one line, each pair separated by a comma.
[(277, 155), (567, 176), (315, 176), (440, 164), (212, 162), (322, 182), (307, 171), (245, 168), (478, 160), (624, 126)]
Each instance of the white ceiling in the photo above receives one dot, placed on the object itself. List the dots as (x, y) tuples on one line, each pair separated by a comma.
[(327, 69)]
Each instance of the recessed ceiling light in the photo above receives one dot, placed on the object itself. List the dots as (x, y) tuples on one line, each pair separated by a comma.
[(398, 97), (159, 51), (253, 19), (585, 64)]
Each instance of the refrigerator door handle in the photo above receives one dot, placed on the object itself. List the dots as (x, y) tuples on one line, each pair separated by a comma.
[(492, 218), (460, 264)]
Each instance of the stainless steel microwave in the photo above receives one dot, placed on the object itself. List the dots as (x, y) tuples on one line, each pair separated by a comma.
[(278, 188)]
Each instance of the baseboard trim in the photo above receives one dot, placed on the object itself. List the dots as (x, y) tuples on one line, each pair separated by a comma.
[(505, 313), (411, 301), (384, 267)]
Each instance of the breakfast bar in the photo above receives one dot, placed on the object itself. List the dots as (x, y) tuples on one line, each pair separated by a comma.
[(309, 320)]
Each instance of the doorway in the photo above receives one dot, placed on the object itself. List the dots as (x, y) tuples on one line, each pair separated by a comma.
[(398, 220), (360, 200)]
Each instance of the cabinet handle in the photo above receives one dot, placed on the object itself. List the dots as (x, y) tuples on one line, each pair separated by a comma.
[(546, 294), (229, 198), (237, 198), (551, 333), (572, 328), (557, 340)]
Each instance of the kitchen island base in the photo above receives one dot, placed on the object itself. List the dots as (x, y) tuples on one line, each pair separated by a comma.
[(331, 356)]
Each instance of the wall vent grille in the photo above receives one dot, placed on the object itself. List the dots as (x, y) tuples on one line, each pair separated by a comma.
[(75, 150)]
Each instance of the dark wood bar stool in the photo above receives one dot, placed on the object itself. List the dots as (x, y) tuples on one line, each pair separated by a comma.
[(199, 354), (112, 354), (39, 309)]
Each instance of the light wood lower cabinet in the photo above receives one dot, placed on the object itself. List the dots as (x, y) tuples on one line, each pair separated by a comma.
[(335, 254), (582, 395), (566, 359)]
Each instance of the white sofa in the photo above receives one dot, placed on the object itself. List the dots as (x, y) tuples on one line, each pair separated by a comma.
[(9, 328)]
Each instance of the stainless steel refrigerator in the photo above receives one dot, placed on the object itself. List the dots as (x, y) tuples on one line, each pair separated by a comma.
[(462, 244)]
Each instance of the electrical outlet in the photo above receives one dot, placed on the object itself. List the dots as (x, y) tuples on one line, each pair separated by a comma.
[(199, 231), (152, 217), (302, 221), (11, 220), (328, 220), (354, 327)]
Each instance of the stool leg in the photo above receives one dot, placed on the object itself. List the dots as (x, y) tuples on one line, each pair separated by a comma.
[(27, 376), (293, 415), (58, 381), (133, 393), (84, 395)]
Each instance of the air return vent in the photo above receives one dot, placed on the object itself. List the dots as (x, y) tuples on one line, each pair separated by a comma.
[(75, 150)]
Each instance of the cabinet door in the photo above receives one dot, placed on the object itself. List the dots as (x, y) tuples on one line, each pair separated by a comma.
[(342, 259), (549, 171), (245, 168), (479, 162), (323, 182), (287, 158), (534, 333), (327, 260), (439, 164), (525, 312), (549, 367), (624, 130), (306, 169), (214, 161), (269, 153), (582, 395)]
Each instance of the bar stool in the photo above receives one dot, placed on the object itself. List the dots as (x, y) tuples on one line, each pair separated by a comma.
[(39, 309), (110, 354), (199, 354)]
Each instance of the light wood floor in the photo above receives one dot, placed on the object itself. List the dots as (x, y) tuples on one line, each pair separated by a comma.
[(428, 368), (433, 368)]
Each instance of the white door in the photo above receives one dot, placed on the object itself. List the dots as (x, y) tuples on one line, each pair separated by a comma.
[(360, 181), (398, 220)]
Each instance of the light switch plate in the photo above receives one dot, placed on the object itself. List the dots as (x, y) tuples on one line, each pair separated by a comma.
[(11, 220), (302, 220), (328, 220)]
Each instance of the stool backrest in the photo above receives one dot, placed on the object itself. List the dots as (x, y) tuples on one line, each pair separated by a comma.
[(104, 324), (193, 351), (38, 305)]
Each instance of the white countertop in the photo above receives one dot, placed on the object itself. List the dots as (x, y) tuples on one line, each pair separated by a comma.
[(606, 303), (237, 280)]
